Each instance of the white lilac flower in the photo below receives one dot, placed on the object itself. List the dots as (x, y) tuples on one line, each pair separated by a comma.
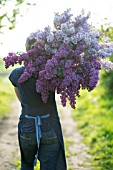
[(40, 35), (88, 41), (33, 35), (107, 65), (80, 36), (73, 39), (66, 40), (103, 54), (94, 34), (92, 51), (50, 38), (64, 17), (80, 29), (55, 45), (59, 35), (108, 50), (56, 19), (65, 27), (106, 39), (47, 47), (71, 30), (54, 50), (47, 31)]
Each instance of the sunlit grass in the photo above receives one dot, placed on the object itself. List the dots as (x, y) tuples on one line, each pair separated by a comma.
[(67, 143), (94, 115), (70, 168), (6, 97), (18, 164), (6, 93)]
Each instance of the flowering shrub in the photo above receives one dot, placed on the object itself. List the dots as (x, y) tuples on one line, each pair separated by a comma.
[(65, 58)]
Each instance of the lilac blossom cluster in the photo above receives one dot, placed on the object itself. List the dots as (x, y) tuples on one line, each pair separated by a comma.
[(65, 58)]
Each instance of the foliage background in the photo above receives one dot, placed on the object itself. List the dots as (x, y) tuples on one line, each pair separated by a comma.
[(11, 14), (94, 116)]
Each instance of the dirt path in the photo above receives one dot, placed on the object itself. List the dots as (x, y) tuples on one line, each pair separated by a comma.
[(78, 158), (9, 151)]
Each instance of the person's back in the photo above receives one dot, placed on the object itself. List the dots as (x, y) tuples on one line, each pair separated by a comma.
[(31, 100), (39, 130)]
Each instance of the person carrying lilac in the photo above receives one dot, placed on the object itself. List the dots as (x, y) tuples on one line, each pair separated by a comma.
[(39, 129)]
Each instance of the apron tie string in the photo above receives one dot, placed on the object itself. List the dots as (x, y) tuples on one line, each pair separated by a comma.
[(37, 120)]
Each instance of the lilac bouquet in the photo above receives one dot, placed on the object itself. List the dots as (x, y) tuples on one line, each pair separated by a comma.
[(66, 58)]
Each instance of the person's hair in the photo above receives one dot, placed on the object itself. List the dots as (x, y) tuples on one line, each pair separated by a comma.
[(29, 43)]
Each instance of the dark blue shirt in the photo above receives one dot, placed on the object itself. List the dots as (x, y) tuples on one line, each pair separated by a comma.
[(31, 101)]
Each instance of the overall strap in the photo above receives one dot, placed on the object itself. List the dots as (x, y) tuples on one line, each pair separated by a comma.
[(37, 120)]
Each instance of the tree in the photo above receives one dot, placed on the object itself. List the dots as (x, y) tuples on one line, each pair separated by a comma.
[(107, 78), (9, 10)]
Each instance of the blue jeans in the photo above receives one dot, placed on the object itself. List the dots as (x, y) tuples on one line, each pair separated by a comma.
[(48, 150)]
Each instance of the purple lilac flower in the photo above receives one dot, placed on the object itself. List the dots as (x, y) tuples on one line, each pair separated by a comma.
[(65, 58)]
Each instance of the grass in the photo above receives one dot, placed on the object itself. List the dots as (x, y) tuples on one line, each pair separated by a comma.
[(6, 94), (94, 115), (70, 168), (17, 165), (67, 143), (6, 98)]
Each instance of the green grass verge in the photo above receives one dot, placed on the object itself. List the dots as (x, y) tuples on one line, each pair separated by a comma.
[(94, 116), (6, 97), (67, 143), (17, 165), (6, 93)]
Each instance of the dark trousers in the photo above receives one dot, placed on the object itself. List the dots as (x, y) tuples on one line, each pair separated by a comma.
[(48, 151)]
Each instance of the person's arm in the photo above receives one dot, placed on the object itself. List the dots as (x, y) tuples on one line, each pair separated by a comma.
[(17, 93)]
